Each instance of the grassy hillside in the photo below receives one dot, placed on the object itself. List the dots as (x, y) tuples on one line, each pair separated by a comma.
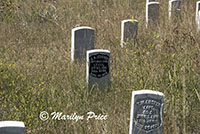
[(36, 73)]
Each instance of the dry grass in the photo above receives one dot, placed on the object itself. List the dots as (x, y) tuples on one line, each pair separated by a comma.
[(36, 73)]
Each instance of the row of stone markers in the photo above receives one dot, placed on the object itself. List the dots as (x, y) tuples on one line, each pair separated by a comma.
[(97, 60), (83, 37), (146, 115), (152, 11), (129, 28)]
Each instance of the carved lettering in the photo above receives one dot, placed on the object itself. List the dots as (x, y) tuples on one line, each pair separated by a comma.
[(99, 66), (148, 114)]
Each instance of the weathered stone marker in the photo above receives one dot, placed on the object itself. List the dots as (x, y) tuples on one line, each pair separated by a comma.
[(98, 69), (146, 112), (197, 12), (129, 31), (152, 13), (175, 9), (12, 127), (81, 41)]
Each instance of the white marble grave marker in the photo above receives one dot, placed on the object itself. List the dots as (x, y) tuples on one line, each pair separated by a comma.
[(12, 127), (152, 13), (81, 41), (146, 112), (197, 12), (98, 68), (129, 31), (174, 8)]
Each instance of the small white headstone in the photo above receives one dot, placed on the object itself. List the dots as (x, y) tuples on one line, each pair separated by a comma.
[(12, 127), (175, 8), (81, 41), (98, 68), (129, 31), (146, 112), (197, 11), (152, 13)]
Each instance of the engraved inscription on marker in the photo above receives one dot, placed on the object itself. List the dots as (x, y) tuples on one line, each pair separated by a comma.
[(98, 68), (146, 112), (99, 65)]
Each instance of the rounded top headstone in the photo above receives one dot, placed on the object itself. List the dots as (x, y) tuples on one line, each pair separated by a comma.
[(198, 2), (11, 124), (128, 20), (147, 92), (151, 3), (98, 50), (82, 27)]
